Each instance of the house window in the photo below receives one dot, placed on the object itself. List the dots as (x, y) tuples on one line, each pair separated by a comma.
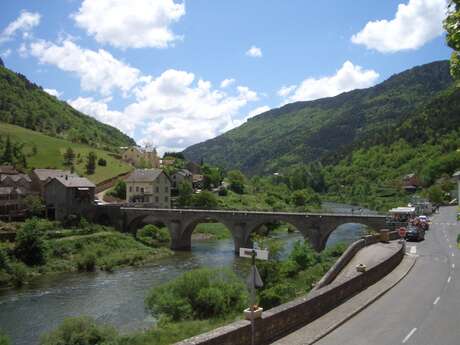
[(157, 189), (142, 190), (166, 189), (156, 199), (137, 189), (130, 189), (166, 199)]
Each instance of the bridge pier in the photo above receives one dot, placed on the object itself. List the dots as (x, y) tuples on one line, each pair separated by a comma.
[(179, 239), (241, 236)]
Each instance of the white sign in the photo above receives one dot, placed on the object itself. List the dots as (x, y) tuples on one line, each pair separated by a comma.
[(260, 254)]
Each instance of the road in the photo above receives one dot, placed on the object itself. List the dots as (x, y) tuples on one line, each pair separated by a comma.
[(424, 308)]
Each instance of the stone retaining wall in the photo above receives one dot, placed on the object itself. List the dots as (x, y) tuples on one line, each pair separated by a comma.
[(280, 321)]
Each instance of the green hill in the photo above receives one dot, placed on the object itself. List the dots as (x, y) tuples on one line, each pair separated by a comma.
[(50, 151), (25, 104), (328, 129)]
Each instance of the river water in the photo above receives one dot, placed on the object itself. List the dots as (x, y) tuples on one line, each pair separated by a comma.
[(118, 298)]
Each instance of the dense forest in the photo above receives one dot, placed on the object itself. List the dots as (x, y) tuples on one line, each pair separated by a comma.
[(26, 104), (326, 129)]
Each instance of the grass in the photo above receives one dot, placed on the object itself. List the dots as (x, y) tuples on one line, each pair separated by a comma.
[(50, 153), (217, 231), (100, 248)]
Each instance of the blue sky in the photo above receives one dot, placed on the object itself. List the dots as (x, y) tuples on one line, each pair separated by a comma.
[(175, 73)]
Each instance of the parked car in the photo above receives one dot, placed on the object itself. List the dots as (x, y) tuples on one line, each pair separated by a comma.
[(415, 233)]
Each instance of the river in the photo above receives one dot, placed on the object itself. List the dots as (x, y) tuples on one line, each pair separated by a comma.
[(118, 298)]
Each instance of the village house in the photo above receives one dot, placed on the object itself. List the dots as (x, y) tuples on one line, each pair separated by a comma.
[(68, 195), (141, 158), (193, 167), (411, 182), (149, 186), (14, 188), (182, 175), (197, 181), (40, 177)]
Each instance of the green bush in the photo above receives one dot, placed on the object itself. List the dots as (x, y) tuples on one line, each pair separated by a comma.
[(152, 235), (18, 273), (30, 246), (205, 199), (119, 190), (199, 294), (276, 295), (80, 331), (4, 340), (86, 262), (4, 260), (303, 254)]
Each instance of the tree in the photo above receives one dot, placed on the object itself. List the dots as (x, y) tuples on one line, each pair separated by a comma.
[(185, 194), (102, 162), (30, 246), (205, 200), (236, 180), (452, 26), (69, 157), (34, 205), (119, 191), (8, 151), (80, 331), (91, 163)]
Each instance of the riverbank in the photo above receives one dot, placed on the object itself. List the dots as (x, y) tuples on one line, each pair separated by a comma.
[(55, 249)]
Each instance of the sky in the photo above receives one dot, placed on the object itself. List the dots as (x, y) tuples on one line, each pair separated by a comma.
[(173, 73)]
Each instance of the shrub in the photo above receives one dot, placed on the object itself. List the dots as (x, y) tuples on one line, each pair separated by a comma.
[(30, 246), (200, 293), (86, 262), (18, 273), (102, 162), (276, 295), (303, 254), (152, 235), (205, 199), (4, 340), (4, 260), (80, 331), (119, 190)]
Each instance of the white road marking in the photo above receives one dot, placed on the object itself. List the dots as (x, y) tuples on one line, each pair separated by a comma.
[(436, 300), (453, 265), (413, 249), (448, 279), (450, 246), (409, 335), (453, 255)]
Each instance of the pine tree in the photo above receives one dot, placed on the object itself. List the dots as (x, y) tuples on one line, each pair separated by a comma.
[(69, 157), (91, 163), (8, 152)]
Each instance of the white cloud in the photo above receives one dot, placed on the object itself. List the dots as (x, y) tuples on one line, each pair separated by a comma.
[(53, 92), (6, 53), (25, 22), (254, 52), (100, 111), (180, 111), (414, 24), (286, 90), (347, 78), (130, 24), (226, 82), (257, 111), (98, 70)]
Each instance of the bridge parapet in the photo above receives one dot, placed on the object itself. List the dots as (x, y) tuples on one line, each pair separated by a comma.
[(316, 227)]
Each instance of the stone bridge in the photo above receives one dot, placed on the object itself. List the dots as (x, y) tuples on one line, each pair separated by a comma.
[(316, 227)]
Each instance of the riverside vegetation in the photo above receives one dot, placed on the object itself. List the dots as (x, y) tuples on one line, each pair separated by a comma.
[(203, 299), (44, 247)]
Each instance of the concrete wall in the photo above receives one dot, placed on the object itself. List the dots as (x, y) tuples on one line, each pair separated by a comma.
[(282, 320)]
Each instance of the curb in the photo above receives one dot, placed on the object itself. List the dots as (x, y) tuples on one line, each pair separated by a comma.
[(405, 266), (410, 260)]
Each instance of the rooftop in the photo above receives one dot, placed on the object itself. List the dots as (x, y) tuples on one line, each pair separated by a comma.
[(44, 174), (7, 170), (144, 175), (75, 181)]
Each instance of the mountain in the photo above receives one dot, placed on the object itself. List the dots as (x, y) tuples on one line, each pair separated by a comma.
[(326, 129), (26, 104)]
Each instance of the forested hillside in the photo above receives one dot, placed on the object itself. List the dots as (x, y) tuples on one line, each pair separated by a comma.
[(25, 104), (329, 129)]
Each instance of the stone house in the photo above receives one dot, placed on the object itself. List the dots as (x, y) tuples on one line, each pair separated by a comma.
[(197, 181), (40, 177), (14, 187), (180, 176), (69, 195), (12, 202), (193, 167), (141, 158), (149, 186)]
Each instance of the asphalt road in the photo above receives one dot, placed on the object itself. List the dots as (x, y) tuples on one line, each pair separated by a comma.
[(424, 308)]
